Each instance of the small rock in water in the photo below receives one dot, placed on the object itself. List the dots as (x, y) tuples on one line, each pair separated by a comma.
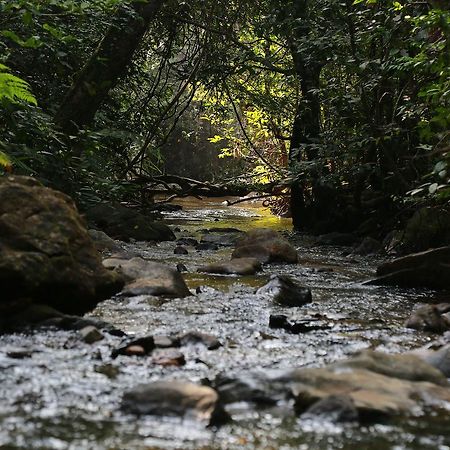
[(179, 250), (109, 370), (164, 342), (430, 318), (90, 335), (169, 358), (19, 353), (191, 242), (286, 291), (280, 321), (176, 398), (237, 266), (334, 408), (206, 246), (139, 347), (181, 268), (196, 337)]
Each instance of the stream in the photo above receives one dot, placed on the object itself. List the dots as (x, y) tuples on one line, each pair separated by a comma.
[(60, 397)]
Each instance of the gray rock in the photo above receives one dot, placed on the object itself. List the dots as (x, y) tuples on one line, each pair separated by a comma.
[(334, 408), (267, 246), (440, 359), (149, 278), (103, 242), (179, 250), (196, 337), (90, 335), (176, 398), (368, 246), (286, 291), (238, 266)]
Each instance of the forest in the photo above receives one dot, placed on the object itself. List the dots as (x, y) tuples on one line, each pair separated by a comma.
[(243, 204)]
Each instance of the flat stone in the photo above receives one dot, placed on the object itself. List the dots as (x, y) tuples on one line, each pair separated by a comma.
[(175, 398), (19, 353), (334, 408), (237, 266), (179, 250), (196, 337)]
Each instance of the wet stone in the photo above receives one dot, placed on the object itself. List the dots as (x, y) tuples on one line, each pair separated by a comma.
[(334, 408), (90, 335), (280, 321), (179, 250), (195, 337), (430, 318), (176, 398), (168, 358), (238, 266), (19, 353), (181, 268), (138, 347), (109, 370), (286, 291)]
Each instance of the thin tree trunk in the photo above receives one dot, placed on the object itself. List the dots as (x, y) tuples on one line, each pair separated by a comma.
[(108, 63)]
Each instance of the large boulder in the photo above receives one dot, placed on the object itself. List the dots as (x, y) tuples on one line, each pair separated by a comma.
[(176, 398), (430, 268), (46, 254), (121, 222), (148, 277), (267, 246), (428, 228)]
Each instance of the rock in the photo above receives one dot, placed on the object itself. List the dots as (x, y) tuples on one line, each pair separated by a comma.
[(103, 242), (150, 278), (179, 250), (206, 246), (402, 366), (279, 321), (221, 230), (373, 394), (168, 358), (181, 268), (187, 241), (109, 370), (430, 318), (286, 291), (267, 246), (334, 408), (238, 266), (368, 246), (439, 359), (90, 335), (336, 238), (221, 239), (164, 342), (429, 227), (426, 269), (176, 398), (124, 223), (138, 347), (19, 353), (195, 337), (46, 254)]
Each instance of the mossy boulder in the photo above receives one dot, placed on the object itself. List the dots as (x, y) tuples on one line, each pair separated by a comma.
[(46, 254), (124, 223)]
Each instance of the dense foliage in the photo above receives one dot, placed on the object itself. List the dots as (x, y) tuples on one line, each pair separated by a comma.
[(345, 102)]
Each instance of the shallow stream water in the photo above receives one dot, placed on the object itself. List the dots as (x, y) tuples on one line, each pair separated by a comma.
[(60, 398)]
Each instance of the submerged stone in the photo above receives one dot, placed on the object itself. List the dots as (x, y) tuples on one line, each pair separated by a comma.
[(237, 266)]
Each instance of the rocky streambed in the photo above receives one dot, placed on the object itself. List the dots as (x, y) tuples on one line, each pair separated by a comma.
[(244, 371)]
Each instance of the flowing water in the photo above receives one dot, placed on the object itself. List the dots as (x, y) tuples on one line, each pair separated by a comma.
[(60, 397)]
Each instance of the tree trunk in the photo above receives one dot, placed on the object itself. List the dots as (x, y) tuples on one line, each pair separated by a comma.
[(106, 65)]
